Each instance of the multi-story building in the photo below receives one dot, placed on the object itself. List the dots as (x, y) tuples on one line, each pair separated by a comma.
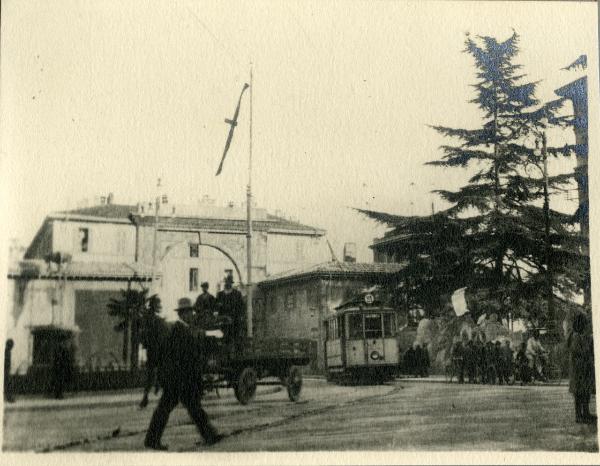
[(107, 248)]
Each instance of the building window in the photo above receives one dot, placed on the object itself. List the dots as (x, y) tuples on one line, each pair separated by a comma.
[(193, 279), (194, 249), (84, 239)]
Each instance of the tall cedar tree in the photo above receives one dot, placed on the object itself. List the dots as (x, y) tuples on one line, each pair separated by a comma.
[(497, 245)]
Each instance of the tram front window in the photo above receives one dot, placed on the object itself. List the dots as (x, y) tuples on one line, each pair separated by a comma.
[(373, 327), (388, 325), (355, 327)]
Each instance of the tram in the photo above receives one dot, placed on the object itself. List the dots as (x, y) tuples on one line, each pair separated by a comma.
[(361, 344)]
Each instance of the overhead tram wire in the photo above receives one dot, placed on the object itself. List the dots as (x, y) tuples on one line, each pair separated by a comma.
[(232, 56)]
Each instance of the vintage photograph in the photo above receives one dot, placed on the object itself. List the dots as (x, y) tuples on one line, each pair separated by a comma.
[(298, 226)]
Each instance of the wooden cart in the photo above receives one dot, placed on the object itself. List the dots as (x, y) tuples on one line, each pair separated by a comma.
[(247, 365)]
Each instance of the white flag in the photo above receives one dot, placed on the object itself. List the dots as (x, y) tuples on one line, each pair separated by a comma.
[(459, 303)]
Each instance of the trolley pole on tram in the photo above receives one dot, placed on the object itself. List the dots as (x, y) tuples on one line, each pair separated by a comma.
[(249, 224)]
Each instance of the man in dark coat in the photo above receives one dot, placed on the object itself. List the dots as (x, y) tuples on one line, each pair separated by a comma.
[(231, 306), (8, 394), (422, 361), (522, 363), (181, 380), (491, 358), (506, 356), (470, 358), (154, 333), (479, 357), (409, 361), (62, 368), (458, 360), (205, 305), (581, 368)]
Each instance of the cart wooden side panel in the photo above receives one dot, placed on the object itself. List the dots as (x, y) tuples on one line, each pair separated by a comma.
[(294, 351)]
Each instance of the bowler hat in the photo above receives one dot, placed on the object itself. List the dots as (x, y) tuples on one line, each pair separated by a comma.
[(229, 279), (204, 285), (184, 304)]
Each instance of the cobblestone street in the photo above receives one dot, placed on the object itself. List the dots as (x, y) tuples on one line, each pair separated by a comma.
[(403, 416)]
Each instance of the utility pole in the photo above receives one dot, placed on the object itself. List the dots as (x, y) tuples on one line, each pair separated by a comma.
[(548, 245), (155, 238), (249, 223)]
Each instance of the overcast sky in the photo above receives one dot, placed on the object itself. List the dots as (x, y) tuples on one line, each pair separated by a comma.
[(107, 96)]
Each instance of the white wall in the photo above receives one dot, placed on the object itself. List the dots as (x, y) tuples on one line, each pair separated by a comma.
[(287, 252), (34, 308), (107, 242), (31, 305)]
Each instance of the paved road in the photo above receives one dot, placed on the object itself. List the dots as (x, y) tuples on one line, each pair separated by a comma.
[(406, 415)]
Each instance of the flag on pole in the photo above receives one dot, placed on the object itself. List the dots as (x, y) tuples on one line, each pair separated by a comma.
[(233, 124), (459, 303)]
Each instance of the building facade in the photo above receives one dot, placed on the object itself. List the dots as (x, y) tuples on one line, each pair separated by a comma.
[(108, 248), (296, 303)]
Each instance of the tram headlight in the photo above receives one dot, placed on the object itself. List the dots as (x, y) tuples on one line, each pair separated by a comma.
[(375, 355)]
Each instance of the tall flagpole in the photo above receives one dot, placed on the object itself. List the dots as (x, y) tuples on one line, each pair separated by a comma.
[(249, 224)]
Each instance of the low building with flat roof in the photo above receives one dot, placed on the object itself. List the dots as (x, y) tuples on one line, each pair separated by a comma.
[(295, 304)]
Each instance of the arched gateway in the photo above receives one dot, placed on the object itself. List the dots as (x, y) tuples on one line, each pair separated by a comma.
[(185, 259)]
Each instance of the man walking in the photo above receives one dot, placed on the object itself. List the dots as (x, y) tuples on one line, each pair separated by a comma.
[(181, 379)]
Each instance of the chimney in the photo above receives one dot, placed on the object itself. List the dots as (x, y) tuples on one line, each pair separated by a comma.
[(110, 198), (350, 252)]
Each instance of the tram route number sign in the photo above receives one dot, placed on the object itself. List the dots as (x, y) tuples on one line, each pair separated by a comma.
[(369, 299)]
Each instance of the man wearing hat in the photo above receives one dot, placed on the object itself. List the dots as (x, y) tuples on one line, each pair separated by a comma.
[(181, 379), (205, 305), (231, 305)]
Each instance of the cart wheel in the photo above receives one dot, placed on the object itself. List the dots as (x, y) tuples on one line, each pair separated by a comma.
[(294, 383), (245, 387)]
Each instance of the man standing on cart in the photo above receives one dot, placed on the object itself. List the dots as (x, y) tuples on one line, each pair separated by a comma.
[(205, 305), (231, 306)]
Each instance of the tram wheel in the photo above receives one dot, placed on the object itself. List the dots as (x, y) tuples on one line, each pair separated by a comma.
[(245, 387), (294, 383)]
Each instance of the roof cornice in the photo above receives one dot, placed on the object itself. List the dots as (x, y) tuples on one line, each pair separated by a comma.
[(87, 218)]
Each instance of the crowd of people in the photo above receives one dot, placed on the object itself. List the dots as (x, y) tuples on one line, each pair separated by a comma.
[(489, 362), (483, 362)]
